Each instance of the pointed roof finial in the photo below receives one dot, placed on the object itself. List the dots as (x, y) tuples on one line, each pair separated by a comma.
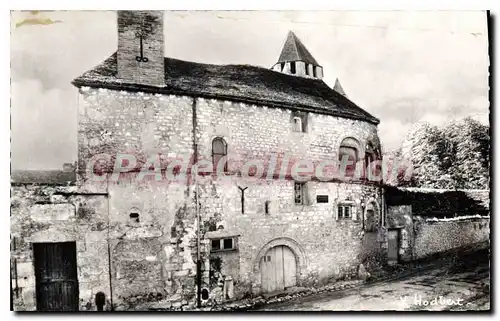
[(338, 88), (294, 50)]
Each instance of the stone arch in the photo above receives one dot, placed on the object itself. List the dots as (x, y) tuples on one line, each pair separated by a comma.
[(352, 141), (296, 248), (375, 205)]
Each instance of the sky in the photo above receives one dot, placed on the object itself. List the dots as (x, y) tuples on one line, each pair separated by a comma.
[(401, 66)]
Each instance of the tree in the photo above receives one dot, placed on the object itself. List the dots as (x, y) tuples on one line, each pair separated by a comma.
[(470, 142), (454, 157), (425, 146)]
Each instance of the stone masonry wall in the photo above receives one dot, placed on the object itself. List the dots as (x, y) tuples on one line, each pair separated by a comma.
[(422, 236), (153, 255), (144, 125), (330, 249), (326, 248), (40, 214), (162, 245), (438, 236), (255, 133)]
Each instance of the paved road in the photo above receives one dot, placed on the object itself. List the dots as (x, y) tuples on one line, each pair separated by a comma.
[(455, 288)]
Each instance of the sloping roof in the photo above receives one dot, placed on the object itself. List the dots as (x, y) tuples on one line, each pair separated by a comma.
[(294, 50), (240, 83), (51, 177), (338, 87), (439, 203)]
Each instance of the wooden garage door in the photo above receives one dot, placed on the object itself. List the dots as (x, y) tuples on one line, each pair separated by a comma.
[(56, 276), (278, 269)]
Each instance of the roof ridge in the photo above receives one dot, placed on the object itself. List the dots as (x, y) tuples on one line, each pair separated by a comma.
[(244, 83)]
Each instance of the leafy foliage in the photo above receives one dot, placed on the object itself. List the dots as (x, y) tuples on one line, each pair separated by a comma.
[(454, 157)]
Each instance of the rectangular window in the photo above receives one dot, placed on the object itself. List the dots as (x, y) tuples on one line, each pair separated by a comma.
[(299, 189), (314, 71), (344, 211), (215, 245), (228, 244), (223, 244), (292, 67)]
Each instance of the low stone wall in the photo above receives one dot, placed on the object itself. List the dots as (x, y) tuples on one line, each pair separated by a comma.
[(432, 237), (435, 220)]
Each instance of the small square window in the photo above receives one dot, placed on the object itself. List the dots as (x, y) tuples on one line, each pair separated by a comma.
[(228, 244), (215, 245)]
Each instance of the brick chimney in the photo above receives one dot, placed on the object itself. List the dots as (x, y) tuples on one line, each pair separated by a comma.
[(140, 47)]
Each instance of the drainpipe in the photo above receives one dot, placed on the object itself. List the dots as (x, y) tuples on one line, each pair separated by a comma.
[(198, 224), (198, 261), (109, 250)]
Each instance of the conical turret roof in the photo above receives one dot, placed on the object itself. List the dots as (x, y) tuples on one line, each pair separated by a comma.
[(338, 87), (294, 50)]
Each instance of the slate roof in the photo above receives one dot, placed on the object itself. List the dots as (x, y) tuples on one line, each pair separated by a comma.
[(240, 83), (50, 177), (294, 50)]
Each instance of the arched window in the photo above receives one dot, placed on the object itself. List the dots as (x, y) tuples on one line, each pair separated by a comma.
[(349, 152), (219, 150), (297, 124), (371, 215), (371, 155)]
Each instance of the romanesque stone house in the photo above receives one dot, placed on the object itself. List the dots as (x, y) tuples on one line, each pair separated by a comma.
[(133, 236)]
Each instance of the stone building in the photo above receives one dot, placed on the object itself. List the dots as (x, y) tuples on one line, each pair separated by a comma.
[(129, 227)]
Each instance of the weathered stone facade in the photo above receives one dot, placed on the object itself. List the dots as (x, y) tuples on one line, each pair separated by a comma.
[(326, 248), (344, 244), (138, 235), (44, 214)]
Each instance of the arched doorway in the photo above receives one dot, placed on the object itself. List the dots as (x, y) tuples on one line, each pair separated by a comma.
[(278, 268)]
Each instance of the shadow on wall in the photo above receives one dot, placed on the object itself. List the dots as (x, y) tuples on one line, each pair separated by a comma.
[(439, 203)]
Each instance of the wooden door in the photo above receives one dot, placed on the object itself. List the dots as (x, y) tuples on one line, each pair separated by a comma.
[(56, 276), (278, 269), (289, 267), (393, 246)]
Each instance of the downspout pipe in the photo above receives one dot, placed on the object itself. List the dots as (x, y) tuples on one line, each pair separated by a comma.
[(198, 223)]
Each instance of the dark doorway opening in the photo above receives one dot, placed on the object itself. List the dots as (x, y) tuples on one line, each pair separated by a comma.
[(56, 276)]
